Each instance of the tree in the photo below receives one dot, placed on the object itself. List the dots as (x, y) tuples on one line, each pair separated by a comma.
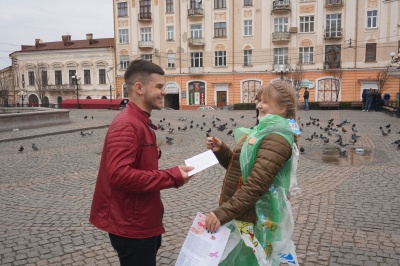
[(6, 82), (383, 78), (337, 74), (41, 80), (297, 75)]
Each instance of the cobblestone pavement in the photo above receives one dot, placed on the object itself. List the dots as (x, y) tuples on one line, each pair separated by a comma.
[(347, 214)]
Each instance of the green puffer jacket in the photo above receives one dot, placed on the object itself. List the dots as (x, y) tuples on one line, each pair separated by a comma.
[(237, 199)]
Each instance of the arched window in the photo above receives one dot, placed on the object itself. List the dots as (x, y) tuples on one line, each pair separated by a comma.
[(249, 90), (328, 89)]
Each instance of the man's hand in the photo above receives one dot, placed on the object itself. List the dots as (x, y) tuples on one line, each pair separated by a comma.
[(212, 223), (184, 171)]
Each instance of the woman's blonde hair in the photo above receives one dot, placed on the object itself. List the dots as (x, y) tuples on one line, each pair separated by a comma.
[(284, 97)]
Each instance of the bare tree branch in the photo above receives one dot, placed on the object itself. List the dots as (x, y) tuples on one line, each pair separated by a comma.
[(41, 80), (337, 74), (383, 79), (297, 75)]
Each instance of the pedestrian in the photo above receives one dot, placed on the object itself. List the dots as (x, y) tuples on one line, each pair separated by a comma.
[(377, 100), (126, 201), (364, 99), (306, 94), (254, 197), (369, 95)]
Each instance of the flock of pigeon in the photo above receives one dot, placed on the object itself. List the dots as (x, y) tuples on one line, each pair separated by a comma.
[(215, 124)]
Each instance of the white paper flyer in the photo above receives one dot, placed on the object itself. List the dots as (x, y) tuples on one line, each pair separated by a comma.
[(201, 248)]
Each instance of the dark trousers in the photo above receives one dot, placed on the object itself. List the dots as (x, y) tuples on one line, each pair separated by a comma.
[(136, 251)]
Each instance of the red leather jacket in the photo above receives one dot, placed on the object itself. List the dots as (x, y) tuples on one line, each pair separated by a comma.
[(126, 200)]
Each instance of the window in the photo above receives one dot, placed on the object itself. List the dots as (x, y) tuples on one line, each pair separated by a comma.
[(281, 24), (306, 55), (219, 29), (86, 76), (102, 76), (372, 18), (71, 73), (370, 52), (248, 3), (332, 56), (58, 77), (170, 6), (220, 58), (334, 25), (280, 56), (170, 60), (145, 34), (145, 9), (196, 59), (219, 4), (148, 57), (123, 61), (122, 9), (307, 24), (249, 90), (31, 78), (170, 33), (44, 80), (196, 31), (333, 2), (195, 4), (248, 57), (248, 28), (123, 36)]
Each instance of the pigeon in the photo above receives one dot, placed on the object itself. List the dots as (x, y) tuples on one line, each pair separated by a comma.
[(203, 115), (387, 126), (242, 116), (82, 134), (302, 150), (92, 117), (232, 119), (208, 131), (34, 147), (384, 133), (207, 135), (170, 130), (85, 117), (326, 140), (344, 130), (21, 149), (229, 132)]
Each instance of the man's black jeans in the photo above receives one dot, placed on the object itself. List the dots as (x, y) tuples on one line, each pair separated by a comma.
[(136, 251)]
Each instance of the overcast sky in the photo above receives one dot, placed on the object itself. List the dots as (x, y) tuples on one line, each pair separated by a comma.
[(23, 21)]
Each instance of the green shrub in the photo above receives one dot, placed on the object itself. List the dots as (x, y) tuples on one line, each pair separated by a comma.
[(313, 105), (345, 105), (244, 106)]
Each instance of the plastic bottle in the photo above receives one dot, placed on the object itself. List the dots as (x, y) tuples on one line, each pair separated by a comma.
[(359, 151)]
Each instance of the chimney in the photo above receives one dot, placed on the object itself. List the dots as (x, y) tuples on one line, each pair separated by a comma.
[(66, 39), (37, 42), (89, 36)]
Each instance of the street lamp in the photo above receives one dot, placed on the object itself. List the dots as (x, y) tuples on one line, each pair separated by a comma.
[(76, 78), (396, 60), (282, 72), (21, 95)]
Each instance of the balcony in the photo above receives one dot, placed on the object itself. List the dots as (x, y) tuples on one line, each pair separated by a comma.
[(196, 12), (332, 65), (334, 34), (63, 87), (145, 44), (281, 36), (144, 16), (281, 5), (196, 41), (333, 3), (196, 70), (280, 67)]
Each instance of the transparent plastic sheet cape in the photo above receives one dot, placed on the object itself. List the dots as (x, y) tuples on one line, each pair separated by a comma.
[(275, 222)]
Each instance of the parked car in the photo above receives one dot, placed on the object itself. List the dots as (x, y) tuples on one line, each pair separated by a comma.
[(205, 108)]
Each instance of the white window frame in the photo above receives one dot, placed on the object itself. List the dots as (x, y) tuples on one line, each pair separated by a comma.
[(281, 24), (280, 55), (145, 34), (148, 57), (170, 60), (248, 27), (248, 57), (334, 23), (372, 19), (306, 23), (170, 33), (306, 55), (196, 59), (122, 9), (196, 31), (123, 35), (123, 61), (219, 58)]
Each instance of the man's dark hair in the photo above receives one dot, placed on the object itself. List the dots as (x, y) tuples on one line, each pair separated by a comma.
[(140, 70)]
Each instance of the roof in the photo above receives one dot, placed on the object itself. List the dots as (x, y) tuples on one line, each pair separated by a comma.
[(67, 45)]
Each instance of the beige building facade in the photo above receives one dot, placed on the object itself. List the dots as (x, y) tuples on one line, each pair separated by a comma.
[(44, 73), (220, 52)]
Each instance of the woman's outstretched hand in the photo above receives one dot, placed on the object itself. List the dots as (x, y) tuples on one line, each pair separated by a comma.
[(213, 144), (212, 223)]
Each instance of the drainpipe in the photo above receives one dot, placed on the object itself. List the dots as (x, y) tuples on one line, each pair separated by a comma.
[(180, 38), (355, 49), (233, 52)]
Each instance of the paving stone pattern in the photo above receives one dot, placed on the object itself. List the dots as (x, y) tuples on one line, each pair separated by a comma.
[(347, 214)]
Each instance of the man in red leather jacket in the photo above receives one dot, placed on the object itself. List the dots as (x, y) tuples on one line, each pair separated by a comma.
[(126, 201)]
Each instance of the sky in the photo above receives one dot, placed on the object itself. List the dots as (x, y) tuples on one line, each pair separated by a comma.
[(23, 21)]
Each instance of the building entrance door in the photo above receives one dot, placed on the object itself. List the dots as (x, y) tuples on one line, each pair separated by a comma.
[(221, 98)]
